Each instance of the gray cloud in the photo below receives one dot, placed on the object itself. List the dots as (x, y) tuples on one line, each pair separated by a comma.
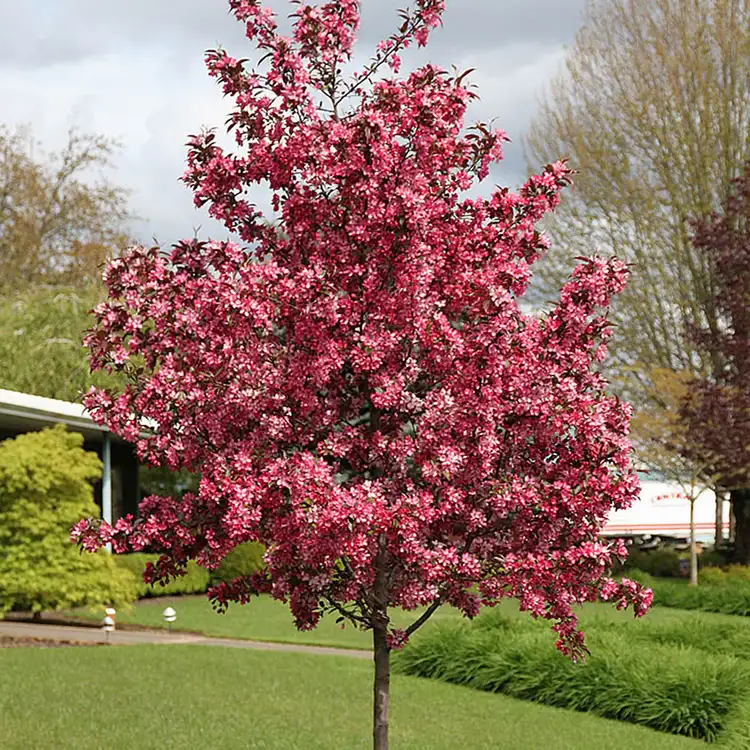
[(133, 70)]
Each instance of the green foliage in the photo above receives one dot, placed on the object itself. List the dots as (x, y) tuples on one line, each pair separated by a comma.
[(713, 557), (195, 580), (243, 560), (729, 597), (45, 488), (662, 562), (648, 679), (712, 576), (730, 574), (158, 480), (41, 350)]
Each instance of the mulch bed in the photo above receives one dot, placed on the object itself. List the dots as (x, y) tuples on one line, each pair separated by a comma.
[(8, 641)]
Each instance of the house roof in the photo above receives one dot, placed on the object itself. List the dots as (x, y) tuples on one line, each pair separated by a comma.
[(20, 412)]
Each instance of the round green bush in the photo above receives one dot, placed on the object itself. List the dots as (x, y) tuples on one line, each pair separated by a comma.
[(244, 560)]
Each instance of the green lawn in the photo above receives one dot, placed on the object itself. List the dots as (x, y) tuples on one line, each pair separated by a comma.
[(265, 619), (180, 697)]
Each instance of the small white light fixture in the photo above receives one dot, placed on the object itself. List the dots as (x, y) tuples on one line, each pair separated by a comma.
[(108, 625), (170, 616)]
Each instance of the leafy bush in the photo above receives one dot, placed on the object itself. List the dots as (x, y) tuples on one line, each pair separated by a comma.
[(45, 488), (243, 560), (664, 562), (195, 580), (730, 574), (661, 562), (713, 576), (713, 557), (730, 598), (681, 690)]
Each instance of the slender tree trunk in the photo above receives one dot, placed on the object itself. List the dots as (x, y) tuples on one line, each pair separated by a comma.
[(382, 688), (381, 651), (693, 550), (719, 520), (740, 500)]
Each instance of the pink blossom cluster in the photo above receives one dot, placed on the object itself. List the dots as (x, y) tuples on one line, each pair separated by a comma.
[(357, 385)]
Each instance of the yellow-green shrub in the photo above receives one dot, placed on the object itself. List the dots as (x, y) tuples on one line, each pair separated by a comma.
[(195, 580), (45, 488)]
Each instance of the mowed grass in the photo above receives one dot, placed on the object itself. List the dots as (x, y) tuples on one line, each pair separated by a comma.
[(178, 697), (265, 619), (262, 619)]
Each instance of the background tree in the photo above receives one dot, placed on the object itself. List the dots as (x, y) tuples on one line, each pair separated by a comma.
[(41, 341), (45, 486), (61, 220), (718, 410), (653, 108), (663, 443), (358, 386)]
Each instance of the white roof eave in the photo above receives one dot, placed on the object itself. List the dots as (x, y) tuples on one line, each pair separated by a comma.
[(48, 410)]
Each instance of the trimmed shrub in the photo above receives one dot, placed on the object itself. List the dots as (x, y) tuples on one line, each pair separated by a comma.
[(664, 562), (728, 574), (680, 690), (661, 562), (713, 557), (731, 597), (195, 580), (712, 576), (244, 560), (45, 488)]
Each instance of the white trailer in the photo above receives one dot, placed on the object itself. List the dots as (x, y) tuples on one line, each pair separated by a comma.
[(663, 509)]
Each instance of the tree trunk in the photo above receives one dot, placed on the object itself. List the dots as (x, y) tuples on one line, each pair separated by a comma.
[(382, 688), (693, 550), (719, 520), (740, 500)]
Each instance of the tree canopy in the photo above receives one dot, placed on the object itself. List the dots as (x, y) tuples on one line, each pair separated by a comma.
[(61, 219), (41, 341), (717, 411), (357, 385), (653, 110)]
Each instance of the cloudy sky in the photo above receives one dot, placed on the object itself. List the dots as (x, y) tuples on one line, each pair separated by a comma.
[(133, 70)]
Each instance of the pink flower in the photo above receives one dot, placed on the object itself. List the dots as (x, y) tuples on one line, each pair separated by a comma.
[(355, 382)]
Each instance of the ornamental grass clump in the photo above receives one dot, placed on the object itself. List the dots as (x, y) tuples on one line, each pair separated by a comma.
[(728, 596), (675, 689)]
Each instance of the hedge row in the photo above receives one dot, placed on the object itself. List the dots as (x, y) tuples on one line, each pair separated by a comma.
[(665, 562), (242, 560), (730, 597), (195, 580), (673, 688)]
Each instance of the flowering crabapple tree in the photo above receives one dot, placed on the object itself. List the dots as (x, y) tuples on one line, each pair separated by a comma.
[(355, 382)]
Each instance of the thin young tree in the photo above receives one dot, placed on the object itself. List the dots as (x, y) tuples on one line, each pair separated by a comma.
[(356, 383), (664, 443)]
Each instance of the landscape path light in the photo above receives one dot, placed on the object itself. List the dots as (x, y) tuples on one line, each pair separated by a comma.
[(170, 616), (108, 625)]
